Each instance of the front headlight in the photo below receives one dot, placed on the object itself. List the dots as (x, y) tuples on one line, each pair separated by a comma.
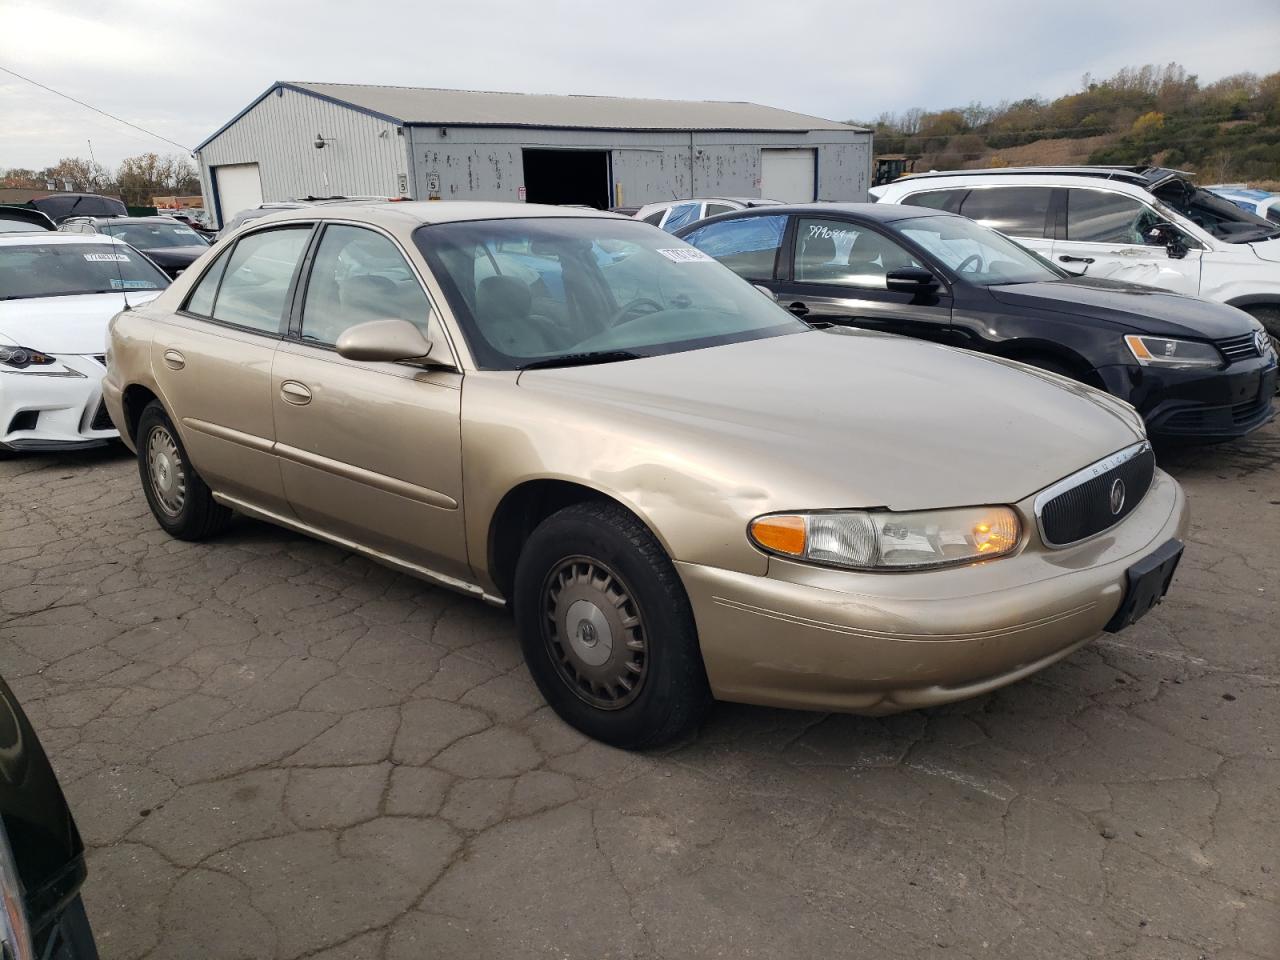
[(1164, 352), (15, 359), (882, 540)]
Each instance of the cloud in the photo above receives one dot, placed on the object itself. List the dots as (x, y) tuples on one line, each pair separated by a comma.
[(183, 69)]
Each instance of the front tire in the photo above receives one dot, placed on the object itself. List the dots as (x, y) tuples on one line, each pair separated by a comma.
[(180, 500), (607, 629)]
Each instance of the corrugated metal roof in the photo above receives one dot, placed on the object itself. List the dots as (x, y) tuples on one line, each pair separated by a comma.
[(426, 105)]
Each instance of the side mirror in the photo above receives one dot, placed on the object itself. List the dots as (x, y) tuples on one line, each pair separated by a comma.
[(911, 280), (1167, 235), (390, 341)]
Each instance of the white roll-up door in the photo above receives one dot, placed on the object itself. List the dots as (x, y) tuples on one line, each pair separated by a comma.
[(788, 175), (239, 188)]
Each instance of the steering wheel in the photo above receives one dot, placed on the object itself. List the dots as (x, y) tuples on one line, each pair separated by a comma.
[(975, 258), (637, 308)]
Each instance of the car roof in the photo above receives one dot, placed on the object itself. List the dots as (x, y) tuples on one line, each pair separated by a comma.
[(873, 212), (158, 218), (55, 236), (1142, 176), (413, 212)]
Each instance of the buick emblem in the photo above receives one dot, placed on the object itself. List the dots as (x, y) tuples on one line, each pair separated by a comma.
[(1117, 497)]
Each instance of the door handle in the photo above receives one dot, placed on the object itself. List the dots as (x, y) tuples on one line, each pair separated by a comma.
[(1067, 259), (296, 393), (174, 360), (799, 309)]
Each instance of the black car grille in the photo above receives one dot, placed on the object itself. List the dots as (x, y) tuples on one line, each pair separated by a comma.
[(1082, 505), (101, 419), (1214, 419), (1243, 347)]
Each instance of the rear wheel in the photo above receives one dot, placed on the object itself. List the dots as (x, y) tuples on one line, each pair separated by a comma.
[(607, 629), (180, 500)]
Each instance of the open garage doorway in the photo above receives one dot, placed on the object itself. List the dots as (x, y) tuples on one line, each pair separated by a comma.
[(567, 176)]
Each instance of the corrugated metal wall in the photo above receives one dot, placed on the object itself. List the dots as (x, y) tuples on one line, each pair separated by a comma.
[(366, 158), (473, 163)]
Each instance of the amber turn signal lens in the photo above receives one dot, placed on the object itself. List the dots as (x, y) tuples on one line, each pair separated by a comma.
[(781, 533)]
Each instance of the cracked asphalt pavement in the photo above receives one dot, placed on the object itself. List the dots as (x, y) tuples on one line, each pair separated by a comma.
[(275, 749)]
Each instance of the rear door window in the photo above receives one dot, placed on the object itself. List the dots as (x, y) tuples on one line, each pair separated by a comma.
[(1014, 211), (716, 208), (748, 246), (258, 276), (201, 300)]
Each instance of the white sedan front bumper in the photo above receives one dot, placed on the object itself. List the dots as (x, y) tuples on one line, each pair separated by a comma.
[(55, 411)]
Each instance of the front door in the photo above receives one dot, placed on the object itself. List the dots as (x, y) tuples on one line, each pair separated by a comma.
[(838, 275), (369, 452), (212, 361), (1106, 234)]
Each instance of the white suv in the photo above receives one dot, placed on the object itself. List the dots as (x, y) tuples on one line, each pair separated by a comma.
[(1144, 225)]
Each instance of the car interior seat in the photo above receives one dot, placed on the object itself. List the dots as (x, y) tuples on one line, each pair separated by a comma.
[(504, 315)]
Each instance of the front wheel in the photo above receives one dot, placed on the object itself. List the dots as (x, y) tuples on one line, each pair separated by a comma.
[(180, 500), (607, 629)]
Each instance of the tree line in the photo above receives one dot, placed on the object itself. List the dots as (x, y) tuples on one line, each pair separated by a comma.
[(136, 180), (1227, 130)]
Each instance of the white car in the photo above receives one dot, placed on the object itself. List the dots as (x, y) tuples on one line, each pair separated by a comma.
[(1258, 202), (1144, 225), (58, 292), (670, 215)]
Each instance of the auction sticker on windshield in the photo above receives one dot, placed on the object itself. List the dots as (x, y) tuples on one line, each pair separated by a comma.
[(106, 258), (685, 255)]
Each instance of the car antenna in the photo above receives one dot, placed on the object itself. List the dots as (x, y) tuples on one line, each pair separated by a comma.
[(115, 258)]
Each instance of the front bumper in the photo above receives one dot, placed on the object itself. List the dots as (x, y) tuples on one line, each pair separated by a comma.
[(877, 643), (40, 412), (1198, 405)]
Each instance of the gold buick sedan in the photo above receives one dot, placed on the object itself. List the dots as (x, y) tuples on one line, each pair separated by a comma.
[(682, 491)]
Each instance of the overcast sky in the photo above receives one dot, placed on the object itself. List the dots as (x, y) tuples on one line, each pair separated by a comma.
[(183, 69)]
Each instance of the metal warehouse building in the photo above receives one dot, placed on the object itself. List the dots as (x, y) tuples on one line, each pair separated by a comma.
[(327, 139)]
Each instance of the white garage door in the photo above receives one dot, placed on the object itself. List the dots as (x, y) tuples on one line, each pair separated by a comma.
[(239, 188), (788, 175)]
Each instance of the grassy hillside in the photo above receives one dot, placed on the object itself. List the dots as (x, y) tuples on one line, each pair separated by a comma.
[(1225, 131)]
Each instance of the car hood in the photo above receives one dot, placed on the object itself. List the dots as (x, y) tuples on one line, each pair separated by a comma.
[(1144, 309), (176, 256), (69, 325), (847, 418), (1268, 250)]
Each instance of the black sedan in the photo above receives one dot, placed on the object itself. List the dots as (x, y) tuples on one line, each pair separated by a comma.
[(41, 854), (1195, 369), (171, 245)]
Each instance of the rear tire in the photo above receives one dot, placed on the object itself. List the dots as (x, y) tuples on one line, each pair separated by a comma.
[(180, 500), (607, 629)]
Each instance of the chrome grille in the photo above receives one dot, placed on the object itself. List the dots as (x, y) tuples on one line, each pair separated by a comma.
[(1243, 347), (1084, 505)]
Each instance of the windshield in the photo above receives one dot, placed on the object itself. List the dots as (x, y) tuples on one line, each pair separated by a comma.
[(975, 253), (67, 269), (155, 235), (531, 290), (1218, 217)]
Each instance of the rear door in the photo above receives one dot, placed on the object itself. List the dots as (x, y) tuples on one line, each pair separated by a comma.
[(212, 362), (748, 245), (837, 274), (1103, 233), (370, 452)]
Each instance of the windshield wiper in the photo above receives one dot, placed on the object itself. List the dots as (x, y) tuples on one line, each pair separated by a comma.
[(582, 359)]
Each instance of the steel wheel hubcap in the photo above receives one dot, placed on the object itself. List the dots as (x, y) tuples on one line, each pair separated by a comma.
[(594, 633), (168, 477)]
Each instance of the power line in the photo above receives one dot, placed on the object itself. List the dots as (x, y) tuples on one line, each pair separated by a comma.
[(89, 106)]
